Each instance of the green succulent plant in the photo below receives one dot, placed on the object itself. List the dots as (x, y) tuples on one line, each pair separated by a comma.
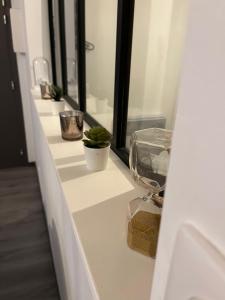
[(56, 92), (98, 138)]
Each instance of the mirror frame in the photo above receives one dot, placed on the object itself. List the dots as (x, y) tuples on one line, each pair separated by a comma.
[(125, 18)]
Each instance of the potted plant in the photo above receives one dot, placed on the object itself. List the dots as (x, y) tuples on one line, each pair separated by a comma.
[(58, 103), (96, 148)]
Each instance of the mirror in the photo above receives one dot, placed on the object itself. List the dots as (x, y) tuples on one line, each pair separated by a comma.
[(101, 24), (56, 47), (71, 49), (158, 41)]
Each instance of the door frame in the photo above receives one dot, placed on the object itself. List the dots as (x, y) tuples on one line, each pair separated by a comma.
[(15, 83)]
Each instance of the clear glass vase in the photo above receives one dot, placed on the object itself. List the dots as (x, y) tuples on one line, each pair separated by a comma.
[(149, 161), (41, 71)]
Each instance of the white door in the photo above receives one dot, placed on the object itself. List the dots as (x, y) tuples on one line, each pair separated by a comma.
[(196, 269), (190, 259)]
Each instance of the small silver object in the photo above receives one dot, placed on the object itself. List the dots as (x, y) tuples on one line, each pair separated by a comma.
[(45, 91), (71, 125)]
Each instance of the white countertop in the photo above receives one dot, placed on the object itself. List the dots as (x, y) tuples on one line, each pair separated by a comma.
[(98, 203)]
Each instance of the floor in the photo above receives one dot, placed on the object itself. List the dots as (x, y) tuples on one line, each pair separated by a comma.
[(26, 266)]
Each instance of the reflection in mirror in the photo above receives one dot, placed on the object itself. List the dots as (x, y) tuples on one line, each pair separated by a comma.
[(101, 23), (57, 48), (158, 38), (71, 49)]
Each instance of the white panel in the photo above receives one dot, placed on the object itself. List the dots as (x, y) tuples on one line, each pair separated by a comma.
[(18, 30), (195, 183), (197, 268), (72, 275)]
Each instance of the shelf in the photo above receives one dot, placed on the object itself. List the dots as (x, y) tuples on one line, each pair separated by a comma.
[(97, 202)]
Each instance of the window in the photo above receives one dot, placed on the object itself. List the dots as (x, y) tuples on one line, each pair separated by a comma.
[(54, 26), (100, 46), (122, 63), (155, 64), (71, 49)]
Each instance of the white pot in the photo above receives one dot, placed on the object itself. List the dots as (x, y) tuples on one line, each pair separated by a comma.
[(96, 158), (57, 106)]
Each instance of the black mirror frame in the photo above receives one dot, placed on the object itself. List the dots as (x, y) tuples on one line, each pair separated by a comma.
[(125, 17)]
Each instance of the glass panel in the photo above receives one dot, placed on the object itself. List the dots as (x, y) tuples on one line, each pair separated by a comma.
[(55, 8), (101, 23), (158, 38), (71, 49)]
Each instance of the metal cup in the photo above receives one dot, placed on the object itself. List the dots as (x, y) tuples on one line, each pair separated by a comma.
[(71, 125), (45, 90)]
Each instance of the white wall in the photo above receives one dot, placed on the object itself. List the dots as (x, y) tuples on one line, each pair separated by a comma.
[(37, 44), (195, 188)]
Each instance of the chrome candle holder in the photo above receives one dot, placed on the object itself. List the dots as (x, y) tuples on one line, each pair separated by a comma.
[(71, 125)]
